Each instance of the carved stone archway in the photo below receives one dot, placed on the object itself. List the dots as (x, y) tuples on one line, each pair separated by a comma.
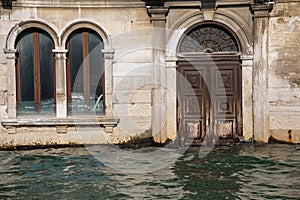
[(209, 84)]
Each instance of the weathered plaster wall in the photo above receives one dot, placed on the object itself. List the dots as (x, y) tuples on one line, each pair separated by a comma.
[(284, 70)]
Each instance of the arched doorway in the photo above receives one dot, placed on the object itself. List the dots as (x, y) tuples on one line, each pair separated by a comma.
[(209, 84)]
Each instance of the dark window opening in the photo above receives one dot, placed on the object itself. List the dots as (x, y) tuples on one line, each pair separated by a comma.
[(35, 72), (85, 74)]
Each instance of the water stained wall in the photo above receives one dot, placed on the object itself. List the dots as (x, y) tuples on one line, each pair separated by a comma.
[(284, 71), (131, 95)]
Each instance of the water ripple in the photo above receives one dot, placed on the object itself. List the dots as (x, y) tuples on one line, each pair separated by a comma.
[(250, 171)]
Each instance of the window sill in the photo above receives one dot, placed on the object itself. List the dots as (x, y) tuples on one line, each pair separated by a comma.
[(60, 124)]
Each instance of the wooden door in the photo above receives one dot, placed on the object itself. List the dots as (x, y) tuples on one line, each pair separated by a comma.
[(209, 98)]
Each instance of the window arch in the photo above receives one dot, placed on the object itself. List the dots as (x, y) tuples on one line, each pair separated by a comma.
[(209, 38), (35, 72), (85, 71)]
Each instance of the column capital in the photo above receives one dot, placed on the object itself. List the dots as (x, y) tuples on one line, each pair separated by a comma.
[(158, 14), (261, 10), (60, 51), (246, 57), (10, 53), (6, 51), (171, 61), (247, 60), (108, 53)]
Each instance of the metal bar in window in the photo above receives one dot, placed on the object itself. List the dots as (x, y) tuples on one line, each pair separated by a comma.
[(86, 71), (18, 76), (54, 80), (37, 75), (103, 77), (68, 77)]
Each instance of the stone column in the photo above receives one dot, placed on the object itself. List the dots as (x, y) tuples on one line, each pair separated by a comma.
[(260, 71), (61, 82), (171, 97), (158, 20), (247, 96), (108, 74), (11, 83)]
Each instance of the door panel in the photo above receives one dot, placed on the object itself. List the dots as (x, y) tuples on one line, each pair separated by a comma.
[(209, 95), (192, 101)]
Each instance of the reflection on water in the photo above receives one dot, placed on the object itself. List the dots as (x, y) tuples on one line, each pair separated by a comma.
[(77, 104), (260, 171)]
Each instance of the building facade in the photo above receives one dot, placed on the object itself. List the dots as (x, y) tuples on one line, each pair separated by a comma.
[(90, 72)]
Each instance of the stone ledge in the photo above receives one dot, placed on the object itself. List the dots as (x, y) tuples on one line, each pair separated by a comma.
[(189, 57), (82, 4), (107, 123)]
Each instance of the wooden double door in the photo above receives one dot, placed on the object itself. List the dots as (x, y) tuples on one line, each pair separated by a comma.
[(209, 98)]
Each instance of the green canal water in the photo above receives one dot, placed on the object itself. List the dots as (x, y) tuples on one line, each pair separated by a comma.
[(242, 171)]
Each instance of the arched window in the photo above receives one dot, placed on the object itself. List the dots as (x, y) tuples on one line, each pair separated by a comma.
[(35, 72), (85, 77), (208, 38)]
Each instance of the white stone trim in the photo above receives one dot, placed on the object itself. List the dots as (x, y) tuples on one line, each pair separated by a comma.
[(61, 82), (61, 124), (60, 61), (85, 23), (11, 82), (23, 25), (195, 17)]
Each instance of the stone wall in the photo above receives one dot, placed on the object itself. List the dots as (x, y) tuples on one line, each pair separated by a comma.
[(5, 25), (128, 78), (135, 80), (284, 70)]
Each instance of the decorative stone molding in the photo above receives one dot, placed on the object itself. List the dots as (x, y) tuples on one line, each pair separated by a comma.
[(261, 10), (85, 23), (60, 53), (208, 8), (247, 60), (60, 124), (108, 53), (227, 19), (208, 15), (158, 14), (10, 53), (171, 61), (21, 26), (87, 121)]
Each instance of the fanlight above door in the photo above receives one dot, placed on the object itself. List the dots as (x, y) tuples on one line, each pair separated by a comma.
[(208, 38)]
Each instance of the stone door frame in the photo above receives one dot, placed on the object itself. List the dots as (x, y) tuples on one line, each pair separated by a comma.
[(246, 56)]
